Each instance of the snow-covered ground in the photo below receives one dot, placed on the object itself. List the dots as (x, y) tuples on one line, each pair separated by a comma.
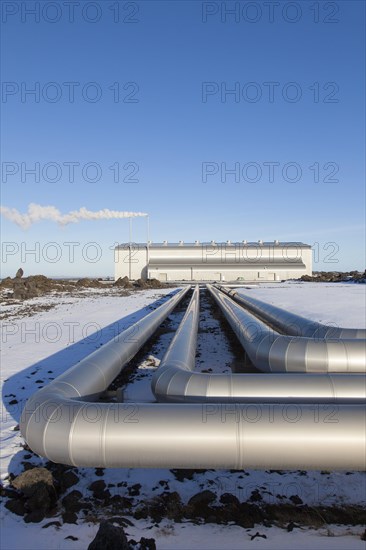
[(183, 536), (37, 348), (338, 304)]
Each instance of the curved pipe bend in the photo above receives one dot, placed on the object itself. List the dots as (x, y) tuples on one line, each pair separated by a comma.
[(291, 323), (176, 381), (87, 380), (270, 351)]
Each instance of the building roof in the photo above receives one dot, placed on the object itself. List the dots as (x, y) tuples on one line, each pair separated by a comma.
[(287, 244)]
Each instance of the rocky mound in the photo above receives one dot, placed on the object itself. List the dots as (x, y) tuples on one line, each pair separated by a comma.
[(123, 282), (154, 283), (24, 288), (150, 283), (38, 285), (140, 284), (88, 283), (44, 492), (335, 277), (30, 287)]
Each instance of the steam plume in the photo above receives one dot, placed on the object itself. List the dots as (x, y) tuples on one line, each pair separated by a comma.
[(37, 213)]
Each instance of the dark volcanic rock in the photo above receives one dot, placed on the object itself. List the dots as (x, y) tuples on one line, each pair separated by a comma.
[(67, 480), (184, 473), (99, 490), (71, 502), (154, 283), (147, 544), (34, 285), (228, 498), (123, 282), (199, 506), (35, 516), (250, 514), (28, 481), (141, 511), (109, 537), (97, 486), (38, 489), (7, 492), (16, 506), (31, 287), (255, 496), (88, 283), (134, 490), (202, 499), (69, 517), (140, 283), (295, 499), (335, 277), (168, 505), (173, 506), (7, 282)]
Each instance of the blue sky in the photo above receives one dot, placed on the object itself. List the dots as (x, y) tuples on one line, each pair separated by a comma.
[(176, 130)]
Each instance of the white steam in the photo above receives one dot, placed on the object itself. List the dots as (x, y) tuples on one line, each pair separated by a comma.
[(37, 213)]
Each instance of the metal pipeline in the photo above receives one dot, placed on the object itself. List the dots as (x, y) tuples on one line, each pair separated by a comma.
[(91, 376), (270, 351), (176, 381), (200, 436), (179, 359), (60, 424), (291, 323)]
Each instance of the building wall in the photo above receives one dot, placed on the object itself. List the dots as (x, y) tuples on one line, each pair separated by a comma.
[(214, 262), (131, 262), (224, 275)]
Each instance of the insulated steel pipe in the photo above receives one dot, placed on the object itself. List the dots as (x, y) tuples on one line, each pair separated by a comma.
[(94, 373), (176, 381), (291, 323), (199, 436), (91, 376), (179, 360), (59, 423), (178, 385), (271, 352)]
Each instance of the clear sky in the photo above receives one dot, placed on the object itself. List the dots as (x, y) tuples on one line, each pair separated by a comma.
[(145, 87)]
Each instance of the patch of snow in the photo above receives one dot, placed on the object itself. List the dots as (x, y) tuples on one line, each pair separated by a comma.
[(340, 304)]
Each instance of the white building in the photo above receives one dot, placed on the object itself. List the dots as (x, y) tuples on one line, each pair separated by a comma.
[(230, 261)]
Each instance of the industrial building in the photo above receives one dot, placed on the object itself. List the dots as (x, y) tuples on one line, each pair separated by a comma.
[(229, 261)]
